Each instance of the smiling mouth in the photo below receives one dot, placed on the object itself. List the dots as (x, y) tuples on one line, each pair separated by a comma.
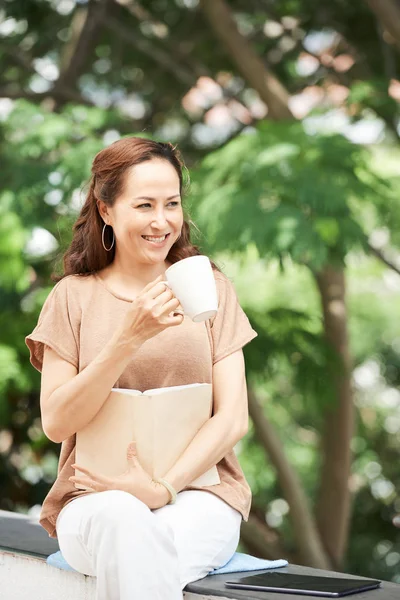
[(156, 239)]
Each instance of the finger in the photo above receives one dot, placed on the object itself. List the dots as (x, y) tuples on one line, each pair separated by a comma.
[(157, 287), (95, 484), (131, 454), (132, 448), (164, 296), (86, 482), (94, 476), (156, 292), (172, 306), (82, 470), (173, 319), (152, 284)]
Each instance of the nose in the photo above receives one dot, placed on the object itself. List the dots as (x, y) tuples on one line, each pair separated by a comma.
[(159, 219)]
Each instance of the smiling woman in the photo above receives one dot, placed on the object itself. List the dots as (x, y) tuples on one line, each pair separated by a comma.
[(111, 322)]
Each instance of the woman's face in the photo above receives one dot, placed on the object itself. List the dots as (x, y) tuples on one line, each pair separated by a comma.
[(147, 217)]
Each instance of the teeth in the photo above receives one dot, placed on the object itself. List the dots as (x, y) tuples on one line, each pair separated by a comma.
[(155, 239)]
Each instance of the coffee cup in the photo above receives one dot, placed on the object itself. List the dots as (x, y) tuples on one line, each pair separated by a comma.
[(192, 282)]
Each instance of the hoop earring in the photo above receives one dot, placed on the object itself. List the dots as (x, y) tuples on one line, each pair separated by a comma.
[(102, 239)]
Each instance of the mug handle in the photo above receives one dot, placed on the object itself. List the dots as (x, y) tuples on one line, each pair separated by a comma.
[(176, 312)]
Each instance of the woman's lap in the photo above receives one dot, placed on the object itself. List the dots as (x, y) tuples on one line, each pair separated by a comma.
[(205, 530)]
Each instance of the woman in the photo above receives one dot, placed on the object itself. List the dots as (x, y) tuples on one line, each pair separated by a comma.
[(111, 322)]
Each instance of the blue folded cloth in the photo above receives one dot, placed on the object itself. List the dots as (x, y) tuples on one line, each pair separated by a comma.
[(57, 560), (239, 562), (245, 562)]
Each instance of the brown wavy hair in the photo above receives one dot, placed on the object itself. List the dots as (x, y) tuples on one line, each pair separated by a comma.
[(86, 254)]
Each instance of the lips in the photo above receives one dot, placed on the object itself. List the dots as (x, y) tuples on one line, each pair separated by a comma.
[(157, 240)]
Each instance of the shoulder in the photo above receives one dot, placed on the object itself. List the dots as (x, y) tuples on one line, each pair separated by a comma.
[(74, 284), (72, 296), (223, 283), (74, 292), (226, 292), (221, 279)]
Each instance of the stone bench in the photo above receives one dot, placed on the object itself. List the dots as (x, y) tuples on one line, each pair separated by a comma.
[(24, 574)]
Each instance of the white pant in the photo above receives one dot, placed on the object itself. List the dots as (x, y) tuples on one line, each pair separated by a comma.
[(137, 553)]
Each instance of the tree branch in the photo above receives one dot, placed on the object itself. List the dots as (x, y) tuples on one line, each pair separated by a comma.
[(379, 254), (85, 27), (60, 94), (305, 529), (388, 54), (388, 13), (162, 57), (148, 48), (270, 89), (68, 52), (140, 13), (21, 58), (262, 541)]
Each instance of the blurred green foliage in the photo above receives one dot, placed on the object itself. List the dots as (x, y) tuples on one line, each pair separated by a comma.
[(246, 229), (272, 206)]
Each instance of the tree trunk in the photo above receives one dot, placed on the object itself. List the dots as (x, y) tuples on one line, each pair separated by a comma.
[(271, 91), (263, 542), (333, 505), (388, 13), (85, 29), (333, 508), (310, 548)]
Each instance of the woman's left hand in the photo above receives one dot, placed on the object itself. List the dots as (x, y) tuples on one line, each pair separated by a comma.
[(135, 481)]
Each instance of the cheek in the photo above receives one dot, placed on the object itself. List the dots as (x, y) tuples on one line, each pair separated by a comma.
[(178, 218), (134, 225)]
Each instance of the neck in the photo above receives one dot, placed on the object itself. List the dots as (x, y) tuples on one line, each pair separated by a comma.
[(136, 272)]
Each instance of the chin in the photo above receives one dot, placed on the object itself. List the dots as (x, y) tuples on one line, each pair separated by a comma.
[(156, 260)]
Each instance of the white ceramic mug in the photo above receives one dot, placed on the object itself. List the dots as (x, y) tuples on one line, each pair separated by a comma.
[(192, 281)]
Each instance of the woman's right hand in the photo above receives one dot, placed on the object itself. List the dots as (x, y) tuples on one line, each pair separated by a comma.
[(152, 311)]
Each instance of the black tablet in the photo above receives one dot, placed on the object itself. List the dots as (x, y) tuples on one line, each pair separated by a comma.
[(290, 583)]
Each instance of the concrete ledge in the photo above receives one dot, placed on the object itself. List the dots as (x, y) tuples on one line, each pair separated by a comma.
[(25, 577), (24, 574)]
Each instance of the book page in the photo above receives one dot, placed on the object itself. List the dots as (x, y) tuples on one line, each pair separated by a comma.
[(127, 391), (176, 388)]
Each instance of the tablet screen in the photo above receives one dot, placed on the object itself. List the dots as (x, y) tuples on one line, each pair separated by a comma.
[(331, 586)]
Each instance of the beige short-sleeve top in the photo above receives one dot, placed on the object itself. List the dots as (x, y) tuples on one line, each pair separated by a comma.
[(80, 315)]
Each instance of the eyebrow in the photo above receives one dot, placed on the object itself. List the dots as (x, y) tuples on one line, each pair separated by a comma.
[(149, 198)]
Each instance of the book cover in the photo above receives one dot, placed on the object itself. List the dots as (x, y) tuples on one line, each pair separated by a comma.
[(162, 421)]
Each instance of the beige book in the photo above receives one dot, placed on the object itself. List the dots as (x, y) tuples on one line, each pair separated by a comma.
[(162, 421)]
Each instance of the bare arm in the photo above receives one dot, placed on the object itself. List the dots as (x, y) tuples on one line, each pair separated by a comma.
[(69, 400), (221, 433)]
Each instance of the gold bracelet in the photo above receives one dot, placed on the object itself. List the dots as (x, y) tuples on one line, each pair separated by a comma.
[(169, 487)]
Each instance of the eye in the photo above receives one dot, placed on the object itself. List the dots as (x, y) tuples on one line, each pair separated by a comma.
[(147, 204)]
